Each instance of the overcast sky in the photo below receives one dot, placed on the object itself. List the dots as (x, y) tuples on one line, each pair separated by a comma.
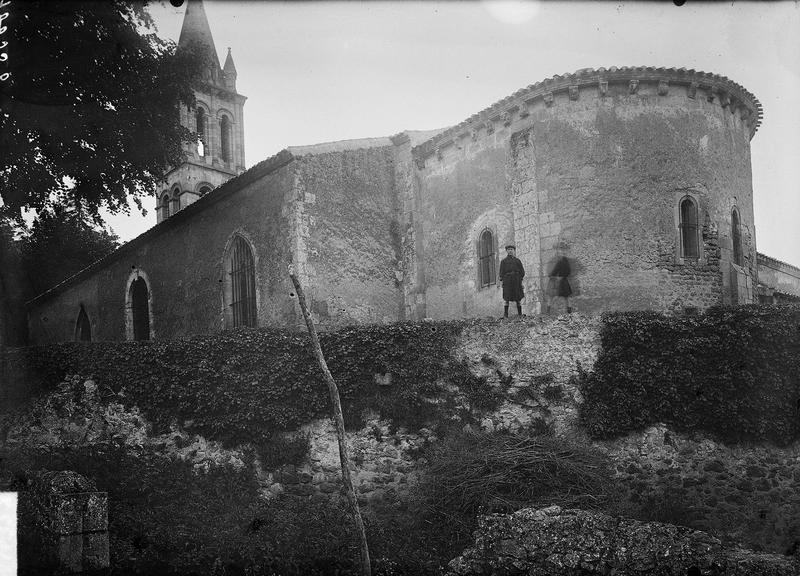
[(318, 72)]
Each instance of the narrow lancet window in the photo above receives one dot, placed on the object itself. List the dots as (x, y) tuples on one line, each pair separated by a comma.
[(176, 200), (83, 329), (225, 138), (201, 132), (486, 258), (688, 228), (736, 237)]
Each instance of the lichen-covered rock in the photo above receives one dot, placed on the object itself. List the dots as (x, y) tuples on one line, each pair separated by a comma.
[(555, 542)]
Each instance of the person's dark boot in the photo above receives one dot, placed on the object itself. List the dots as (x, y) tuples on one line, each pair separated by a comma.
[(519, 310), (505, 311)]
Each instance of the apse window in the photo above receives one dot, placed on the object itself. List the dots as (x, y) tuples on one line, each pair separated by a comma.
[(689, 228), (486, 258), (736, 238)]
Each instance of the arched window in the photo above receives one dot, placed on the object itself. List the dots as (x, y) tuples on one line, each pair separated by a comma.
[(225, 138), (240, 289), (688, 228), (83, 330), (736, 237), (486, 257), (140, 309), (204, 190), (176, 200), (165, 206), (200, 119)]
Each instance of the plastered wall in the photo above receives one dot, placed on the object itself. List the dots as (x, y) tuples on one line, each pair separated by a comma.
[(348, 243)]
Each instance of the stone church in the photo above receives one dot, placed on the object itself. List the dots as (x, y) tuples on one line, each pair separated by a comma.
[(640, 176)]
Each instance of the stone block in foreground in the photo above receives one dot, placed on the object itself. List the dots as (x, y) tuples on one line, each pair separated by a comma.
[(555, 542)]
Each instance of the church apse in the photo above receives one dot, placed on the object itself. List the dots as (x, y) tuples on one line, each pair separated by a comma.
[(600, 160)]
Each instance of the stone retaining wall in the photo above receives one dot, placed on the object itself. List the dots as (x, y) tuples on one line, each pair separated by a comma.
[(745, 494), (529, 362)]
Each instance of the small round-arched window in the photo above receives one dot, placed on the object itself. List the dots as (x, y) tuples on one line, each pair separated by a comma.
[(140, 309)]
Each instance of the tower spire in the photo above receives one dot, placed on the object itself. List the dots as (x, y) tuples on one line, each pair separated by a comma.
[(229, 71), (196, 31)]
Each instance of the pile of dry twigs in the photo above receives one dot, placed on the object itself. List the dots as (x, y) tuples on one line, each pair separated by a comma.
[(500, 472)]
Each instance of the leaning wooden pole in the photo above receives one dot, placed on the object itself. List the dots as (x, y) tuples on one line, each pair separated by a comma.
[(366, 570)]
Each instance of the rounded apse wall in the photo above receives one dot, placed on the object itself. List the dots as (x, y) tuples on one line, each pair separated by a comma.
[(643, 177)]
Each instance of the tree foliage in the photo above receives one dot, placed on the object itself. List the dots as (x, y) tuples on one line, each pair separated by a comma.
[(90, 113), (13, 320), (61, 242)]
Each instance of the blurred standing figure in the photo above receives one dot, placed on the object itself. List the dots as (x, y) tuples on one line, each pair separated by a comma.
[(511, 275), (559, 278)]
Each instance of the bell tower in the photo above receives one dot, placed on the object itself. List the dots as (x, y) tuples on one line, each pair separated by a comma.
[(217, 119)]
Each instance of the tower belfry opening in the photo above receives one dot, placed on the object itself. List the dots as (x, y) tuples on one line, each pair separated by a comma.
[(217, 153)]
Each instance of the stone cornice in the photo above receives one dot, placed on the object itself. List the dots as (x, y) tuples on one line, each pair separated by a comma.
[(776, 264), (219, 91), (715, 88)]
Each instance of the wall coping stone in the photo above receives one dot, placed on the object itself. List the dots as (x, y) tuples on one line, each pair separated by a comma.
[(775, 264)]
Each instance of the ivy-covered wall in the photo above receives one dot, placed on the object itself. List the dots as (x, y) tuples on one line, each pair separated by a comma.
[(731, 372), (725, 460), (246, 385)]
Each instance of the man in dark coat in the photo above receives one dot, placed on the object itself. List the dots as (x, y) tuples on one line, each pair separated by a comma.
[(511, 275)]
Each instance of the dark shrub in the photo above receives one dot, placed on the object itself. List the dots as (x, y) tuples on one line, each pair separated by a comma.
[(733, 372)]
